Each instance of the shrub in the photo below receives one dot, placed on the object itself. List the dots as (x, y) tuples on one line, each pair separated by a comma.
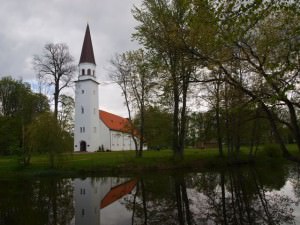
[(272, 150)]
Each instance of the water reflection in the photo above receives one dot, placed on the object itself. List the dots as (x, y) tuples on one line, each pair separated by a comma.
[(97, 199), (237, 196)]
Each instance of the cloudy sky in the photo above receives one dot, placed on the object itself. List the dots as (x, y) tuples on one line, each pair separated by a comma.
[(27, 25)]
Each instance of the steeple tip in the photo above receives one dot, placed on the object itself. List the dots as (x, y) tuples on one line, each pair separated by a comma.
[(87, 52)]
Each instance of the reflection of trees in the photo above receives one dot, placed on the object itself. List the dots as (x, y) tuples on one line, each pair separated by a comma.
[(295, 179), (43, 202), (233, 197), (240, 197)]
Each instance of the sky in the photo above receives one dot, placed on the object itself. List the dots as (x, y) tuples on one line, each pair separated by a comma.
[(27, 25)]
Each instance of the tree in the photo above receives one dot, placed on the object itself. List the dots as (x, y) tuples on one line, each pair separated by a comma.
[(161, 29), (248, 39), (19, 107), (158, 124), (46, 136), (55, 67), (66, 113), (134, 75)]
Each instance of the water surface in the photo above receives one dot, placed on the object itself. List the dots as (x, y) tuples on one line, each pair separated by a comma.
[(236, 196)]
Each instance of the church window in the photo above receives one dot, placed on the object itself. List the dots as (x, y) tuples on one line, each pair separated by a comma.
[(82, 72), (89, 72), (82, 91), (82, 110), (82, 212), (82, 191), (83, 129)]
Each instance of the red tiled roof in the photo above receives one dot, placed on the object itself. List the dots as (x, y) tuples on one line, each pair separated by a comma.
[(87, 52), (115, 122), (117, 192)]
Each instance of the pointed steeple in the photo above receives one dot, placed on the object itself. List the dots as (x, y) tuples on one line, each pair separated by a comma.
[(87, 53)]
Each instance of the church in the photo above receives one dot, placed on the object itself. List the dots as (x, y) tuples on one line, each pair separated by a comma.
[(96, 129)]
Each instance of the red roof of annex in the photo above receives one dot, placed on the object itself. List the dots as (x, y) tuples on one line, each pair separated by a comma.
[(114, 122)]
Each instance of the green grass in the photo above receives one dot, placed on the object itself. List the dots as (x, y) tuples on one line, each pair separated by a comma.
[(126, 162)]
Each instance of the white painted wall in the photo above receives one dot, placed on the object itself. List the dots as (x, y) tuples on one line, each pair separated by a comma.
[(104, 135), (86, 110), (121, 141)]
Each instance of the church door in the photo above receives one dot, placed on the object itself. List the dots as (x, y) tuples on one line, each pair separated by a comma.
[(83, 146)]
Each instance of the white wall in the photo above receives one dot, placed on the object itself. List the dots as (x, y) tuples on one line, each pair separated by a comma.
[(121, 141), (86, 111), (104, 135)]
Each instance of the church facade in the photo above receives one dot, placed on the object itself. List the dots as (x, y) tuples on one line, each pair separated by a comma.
[(96, 129)]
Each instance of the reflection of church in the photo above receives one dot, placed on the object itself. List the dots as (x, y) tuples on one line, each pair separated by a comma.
[(96, 199)]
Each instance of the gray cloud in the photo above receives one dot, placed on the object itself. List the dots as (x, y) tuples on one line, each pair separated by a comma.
[(26, 26)]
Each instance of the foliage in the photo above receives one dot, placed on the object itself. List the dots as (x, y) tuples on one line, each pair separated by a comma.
[(162, 30), (272, 150), (66, 113), (47, 136), (19, 106), (247, 54), (158, 124)]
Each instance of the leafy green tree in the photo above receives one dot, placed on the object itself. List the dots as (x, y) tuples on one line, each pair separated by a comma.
[(158, 124), (19, 106), (66, 113), (162, 31), (46, 136)]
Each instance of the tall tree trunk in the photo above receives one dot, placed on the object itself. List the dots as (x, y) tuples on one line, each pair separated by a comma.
[(142, 128), (294, 122), (219, 133), (176, 123), (278, 137), (56, 98), (183, 120)]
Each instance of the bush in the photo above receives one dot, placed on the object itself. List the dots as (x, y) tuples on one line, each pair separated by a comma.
[(272, 150)]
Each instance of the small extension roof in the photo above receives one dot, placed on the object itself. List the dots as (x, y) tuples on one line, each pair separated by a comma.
[(87, 52), (114, 122)]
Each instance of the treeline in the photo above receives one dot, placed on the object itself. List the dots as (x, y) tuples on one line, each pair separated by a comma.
[(27, 125), (241, 57)]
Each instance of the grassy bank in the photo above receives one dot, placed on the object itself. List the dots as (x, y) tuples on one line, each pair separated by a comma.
[(126, 162)]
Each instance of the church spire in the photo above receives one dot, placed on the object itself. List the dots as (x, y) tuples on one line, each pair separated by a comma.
[(87, 53)]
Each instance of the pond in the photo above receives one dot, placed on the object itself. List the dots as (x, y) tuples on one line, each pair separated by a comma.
[(236, 196)]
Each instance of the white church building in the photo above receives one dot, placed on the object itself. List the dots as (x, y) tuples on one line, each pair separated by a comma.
[(96, 129)]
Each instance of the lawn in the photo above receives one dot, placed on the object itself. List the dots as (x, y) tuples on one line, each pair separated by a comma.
[(121, 162)]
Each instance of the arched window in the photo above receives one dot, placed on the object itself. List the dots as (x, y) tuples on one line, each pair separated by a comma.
[(82, 110), (89, 72), (82, 72)]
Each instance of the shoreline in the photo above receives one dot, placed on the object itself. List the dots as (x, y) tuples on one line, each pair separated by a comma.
[(125, 163)]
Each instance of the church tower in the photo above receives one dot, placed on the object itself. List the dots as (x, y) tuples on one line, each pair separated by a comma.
[(86, 131)]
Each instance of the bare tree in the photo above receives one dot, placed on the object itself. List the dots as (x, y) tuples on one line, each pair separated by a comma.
[(120, 76), (133, 74), (55, 67)]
